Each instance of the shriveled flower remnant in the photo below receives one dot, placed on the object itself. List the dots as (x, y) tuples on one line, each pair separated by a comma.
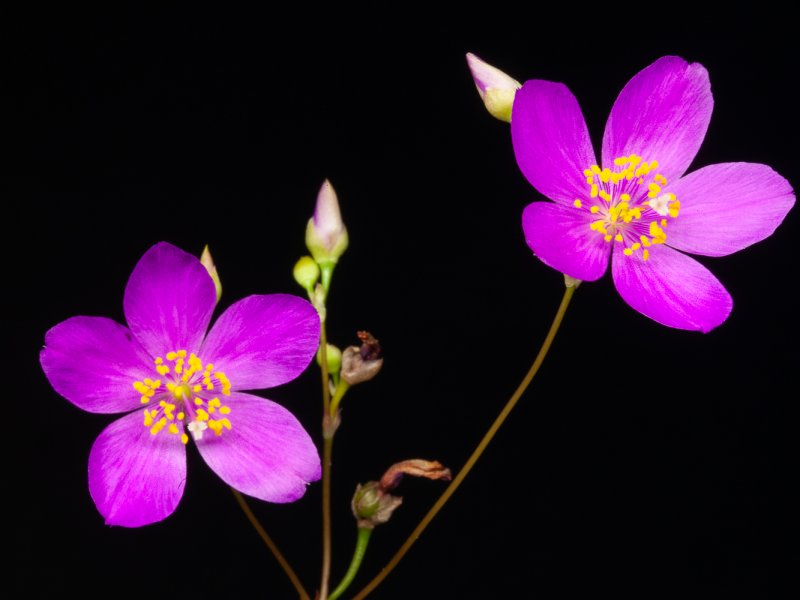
[(636, 205), (185, 383)]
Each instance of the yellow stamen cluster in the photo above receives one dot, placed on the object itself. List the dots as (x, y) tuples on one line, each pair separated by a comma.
[(179, 406), (619, 208)]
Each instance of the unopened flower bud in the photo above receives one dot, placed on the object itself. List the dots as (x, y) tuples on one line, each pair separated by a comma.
[(208, 263), (497, 90), (333, 356), (326, 235), (306, 273), (373, 506), (362, 363)]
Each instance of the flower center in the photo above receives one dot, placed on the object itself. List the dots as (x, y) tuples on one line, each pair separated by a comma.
[(186, 399), (629, 204)]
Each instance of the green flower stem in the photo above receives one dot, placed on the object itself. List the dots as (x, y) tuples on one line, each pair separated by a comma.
[(341, 390), (301, 592), (476, 454), (358, 555), (327, 452)]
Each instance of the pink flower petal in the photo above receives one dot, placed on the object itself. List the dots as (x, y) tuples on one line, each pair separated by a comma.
[(551, 141), (662, 114), (671, 288), (560, 237), (169, 300), (727, 207), (136, 478), (263, 341), (93, 362), (266, 454)]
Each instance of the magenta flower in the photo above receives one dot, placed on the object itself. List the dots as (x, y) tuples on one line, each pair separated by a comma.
[(637, 206), (179, 383)]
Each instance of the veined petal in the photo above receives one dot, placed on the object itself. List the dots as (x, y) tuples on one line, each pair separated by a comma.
[(136, 478), (662, 114), (263, 341), (169, 300), (266, 454), (727, 207), (560, 237), (93, 362), (551, 140), (671, 288)]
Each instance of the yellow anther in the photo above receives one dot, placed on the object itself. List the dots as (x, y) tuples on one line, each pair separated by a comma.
[(173, 429), (595, 209), (577, 203), (225, 410), (210, 367), (654, 190), (144, 399), (172, 355), (587, 172), (659, 178), (654, 166), (148, 382), (185, 438), (156, 384), (162, 369), (159, 360), (140, 387), (618, 237), (663, 222), (202, 415), (181, 416), (622, 160), (627, 252), (148, 420), (158, 426), (607, 237), (198, 402), (615, 178), (215, 403), (625, 197), (595, 190), (605, 195), (182, 353), (646, 254), (179, 365), (636, 246), (226, 423), (634, 159), (605, 175), (209, 386), (197, 387), (590, 180), (595, 169), (645, 241)]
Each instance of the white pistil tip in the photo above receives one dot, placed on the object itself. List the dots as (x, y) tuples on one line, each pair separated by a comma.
[(196, 428), (660, 204)]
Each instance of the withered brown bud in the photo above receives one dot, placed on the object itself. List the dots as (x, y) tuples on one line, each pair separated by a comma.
[(372, 506), (430, 469), (370, 348), (361, 364)]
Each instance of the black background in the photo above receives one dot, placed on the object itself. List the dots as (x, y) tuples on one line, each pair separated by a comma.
[(642, 462)]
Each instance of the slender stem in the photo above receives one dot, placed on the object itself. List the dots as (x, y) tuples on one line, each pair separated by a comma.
[(358, 555), (327, 452), (562, 309), (341, 389), (301, 592)]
